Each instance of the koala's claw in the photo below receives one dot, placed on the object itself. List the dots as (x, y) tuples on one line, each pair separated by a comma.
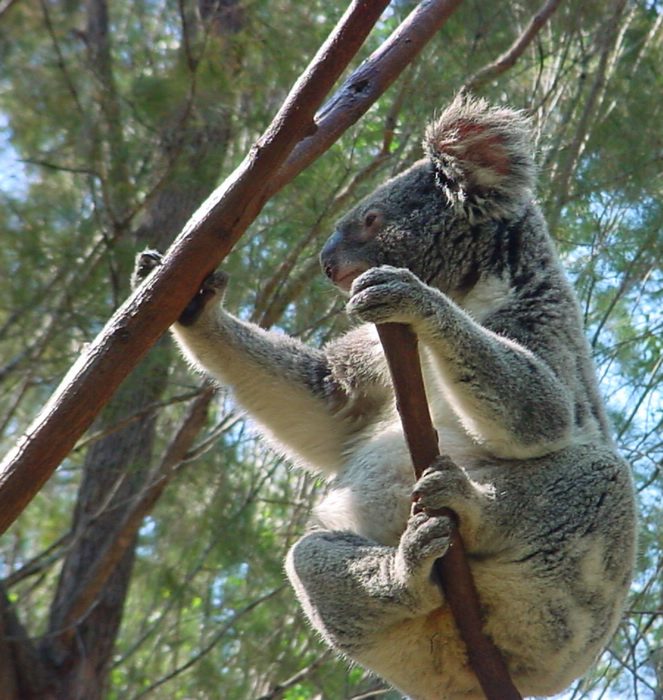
[(441, 486), (146, 262), (386, 293), (425, 539), (215, 283)]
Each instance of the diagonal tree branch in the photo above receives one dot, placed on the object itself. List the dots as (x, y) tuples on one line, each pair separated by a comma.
[(366, 84), (209, 236)]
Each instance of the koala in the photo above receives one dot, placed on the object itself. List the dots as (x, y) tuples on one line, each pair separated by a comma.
[(457, 247)]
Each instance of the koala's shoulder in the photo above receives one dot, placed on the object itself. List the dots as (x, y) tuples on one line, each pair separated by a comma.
[(354, 345)]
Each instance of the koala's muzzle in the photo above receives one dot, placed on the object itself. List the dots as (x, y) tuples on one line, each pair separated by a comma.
[(328, 254), (338, 262)]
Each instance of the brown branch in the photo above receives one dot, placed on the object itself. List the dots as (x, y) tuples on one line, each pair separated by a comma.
[(211, 233), (512, 54), (452, 570), (363, 87)]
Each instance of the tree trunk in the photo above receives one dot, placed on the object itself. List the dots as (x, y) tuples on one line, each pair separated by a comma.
[(115, 470)]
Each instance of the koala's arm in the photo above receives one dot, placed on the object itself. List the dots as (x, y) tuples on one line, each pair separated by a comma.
[(306, 401), (508, 399)]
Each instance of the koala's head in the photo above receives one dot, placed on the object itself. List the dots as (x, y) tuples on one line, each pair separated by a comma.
[(478, 171)]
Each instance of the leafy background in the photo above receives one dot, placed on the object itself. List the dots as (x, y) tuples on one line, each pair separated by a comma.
[(116, 120)]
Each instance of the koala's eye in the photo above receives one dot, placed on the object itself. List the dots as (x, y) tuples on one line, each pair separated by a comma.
[(371, 218), (370, 225)]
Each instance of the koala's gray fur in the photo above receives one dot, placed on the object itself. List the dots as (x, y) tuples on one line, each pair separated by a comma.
[(456, 247)]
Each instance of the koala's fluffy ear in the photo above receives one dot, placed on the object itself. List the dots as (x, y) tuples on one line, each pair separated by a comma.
[(482, 157)]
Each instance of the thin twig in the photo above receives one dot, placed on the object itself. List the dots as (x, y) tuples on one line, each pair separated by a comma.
[(278, 691), (513, 53), (215, 639)]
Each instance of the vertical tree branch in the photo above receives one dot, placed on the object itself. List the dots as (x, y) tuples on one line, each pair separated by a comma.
[(452, 570)]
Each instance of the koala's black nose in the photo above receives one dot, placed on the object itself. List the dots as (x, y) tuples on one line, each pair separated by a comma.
[(328, 254)]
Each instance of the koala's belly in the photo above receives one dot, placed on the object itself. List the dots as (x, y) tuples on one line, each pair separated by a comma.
[(371, 494)]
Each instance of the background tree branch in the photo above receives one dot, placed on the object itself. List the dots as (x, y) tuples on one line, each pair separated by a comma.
[(512, 54)]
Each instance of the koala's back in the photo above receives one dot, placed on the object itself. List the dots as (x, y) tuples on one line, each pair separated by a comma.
[(552, 563)]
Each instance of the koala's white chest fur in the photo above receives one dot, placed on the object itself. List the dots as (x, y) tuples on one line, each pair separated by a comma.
[(371, 492), (487, 296)]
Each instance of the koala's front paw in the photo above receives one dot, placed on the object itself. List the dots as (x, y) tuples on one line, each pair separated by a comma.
[(388, 294), (426, 538), (145, 263), (214, 285)]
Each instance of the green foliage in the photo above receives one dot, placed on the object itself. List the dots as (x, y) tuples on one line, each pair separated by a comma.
[(96, 164)]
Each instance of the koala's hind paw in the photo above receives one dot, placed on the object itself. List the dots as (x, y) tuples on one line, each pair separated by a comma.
[(425, 539), (442, 486), (145, 263), (214, 284)]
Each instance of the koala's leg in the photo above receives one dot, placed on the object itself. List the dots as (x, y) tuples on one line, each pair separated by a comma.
[(352, 589)]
